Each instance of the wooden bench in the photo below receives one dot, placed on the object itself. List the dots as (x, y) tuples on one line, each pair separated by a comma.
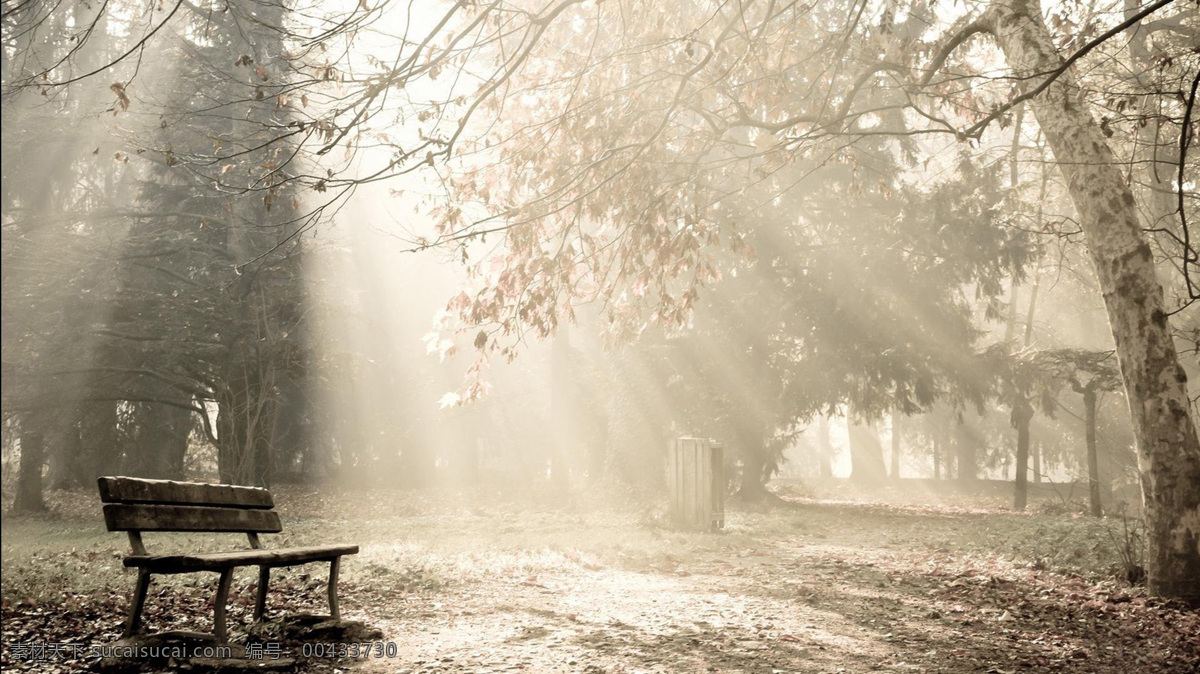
[(135, 505)]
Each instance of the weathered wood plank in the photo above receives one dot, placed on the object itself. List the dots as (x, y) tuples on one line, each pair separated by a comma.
[(138, 603), (137, 490), (260, 602), (333, 581), (215, 561), (688, 457), (697, 484), (128, 517), (219, 602), (718, 482)]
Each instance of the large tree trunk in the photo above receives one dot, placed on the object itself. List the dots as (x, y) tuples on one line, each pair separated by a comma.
[(1155, 383)]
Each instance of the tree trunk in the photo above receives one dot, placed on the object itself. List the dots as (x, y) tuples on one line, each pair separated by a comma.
[(67, 460), (754, 469), (98, 431), (1010, 325), (1093, 459), (1033, 294), (1155, 383), (160, 443), (866, 454), (1037, 269), (824, 449), (29, 476), (1022, 414), (895, 444), (1035, 449), (964, 454)]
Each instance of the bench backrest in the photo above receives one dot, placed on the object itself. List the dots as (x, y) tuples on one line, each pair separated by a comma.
[(136, 505)]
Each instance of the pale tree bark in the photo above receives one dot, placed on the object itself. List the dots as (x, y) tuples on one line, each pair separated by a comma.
[(1168, 448)]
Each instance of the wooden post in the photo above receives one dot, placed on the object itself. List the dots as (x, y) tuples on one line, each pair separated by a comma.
[(333, 579), (221, 600), (260, 604), (135, 543), (139, 600)]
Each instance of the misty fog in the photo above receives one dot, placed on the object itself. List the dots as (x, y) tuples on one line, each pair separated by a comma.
[(601, 336)]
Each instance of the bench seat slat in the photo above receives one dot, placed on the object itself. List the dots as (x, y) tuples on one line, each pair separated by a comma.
[(126, 517), (217, 561), (137, 490)]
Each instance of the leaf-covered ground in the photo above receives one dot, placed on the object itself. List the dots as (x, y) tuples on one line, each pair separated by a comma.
[(588, 582)]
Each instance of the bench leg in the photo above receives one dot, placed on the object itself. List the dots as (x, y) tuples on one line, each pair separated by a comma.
[(139, 601), (333, 579), (260, 606), (221, 600)]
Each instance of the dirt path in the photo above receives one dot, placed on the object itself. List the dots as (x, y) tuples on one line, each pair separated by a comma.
[(718, 618), (870, 599)]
